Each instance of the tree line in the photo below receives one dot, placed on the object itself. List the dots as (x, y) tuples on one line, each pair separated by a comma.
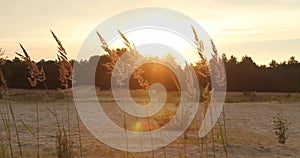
[(243, 75)]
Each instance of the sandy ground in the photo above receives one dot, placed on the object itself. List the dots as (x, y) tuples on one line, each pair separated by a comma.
[(250, 129), (249, 132)]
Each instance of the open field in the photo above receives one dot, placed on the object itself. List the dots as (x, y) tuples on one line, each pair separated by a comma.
[(249, 126)]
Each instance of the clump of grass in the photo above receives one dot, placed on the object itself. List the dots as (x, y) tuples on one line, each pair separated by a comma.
[(63, 144), (281, 126), (213, 69), (10, 111)]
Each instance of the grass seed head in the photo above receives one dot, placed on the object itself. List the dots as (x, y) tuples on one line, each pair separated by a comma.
[(131, 57), (35, 74), (64, 66)]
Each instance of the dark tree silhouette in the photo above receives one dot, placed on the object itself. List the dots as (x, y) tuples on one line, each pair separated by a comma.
[(244, 75)]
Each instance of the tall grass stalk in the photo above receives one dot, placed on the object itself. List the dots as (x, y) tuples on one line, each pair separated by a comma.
[(3, 87), (125, 127), (68, 116), (224, 136), (8, 131), (35, 76), (27, 127), (16, 130), (224, 124), (37, 129), (196, 128), (2, 147), (9, 106), (2, 144), (79, 133), (206, 146), (223, 139), (203, 68), (65, 77), (213, 135), (214, 65), (137, 74)]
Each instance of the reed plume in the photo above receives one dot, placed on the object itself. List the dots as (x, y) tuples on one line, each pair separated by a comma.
[(124, 67), (64, 66), (202, 68), (112, 54), (216, 67), (35, 74)]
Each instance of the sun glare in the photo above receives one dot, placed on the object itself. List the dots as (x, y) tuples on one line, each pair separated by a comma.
[(181, 48)]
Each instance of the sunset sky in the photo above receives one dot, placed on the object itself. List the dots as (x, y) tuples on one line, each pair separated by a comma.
[(262, 29)]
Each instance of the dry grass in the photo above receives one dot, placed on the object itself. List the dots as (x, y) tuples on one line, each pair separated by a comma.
[(206, 68), (212, 69), (64, 144), (64, 66), (35, 74)]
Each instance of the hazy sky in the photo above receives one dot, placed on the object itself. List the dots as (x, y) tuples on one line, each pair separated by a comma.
[(262, 29)]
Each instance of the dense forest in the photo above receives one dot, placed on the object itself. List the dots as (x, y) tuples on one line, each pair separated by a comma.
[(242, 75)]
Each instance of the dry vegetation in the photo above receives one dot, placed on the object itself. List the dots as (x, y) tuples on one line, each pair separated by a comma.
[(45, 123)]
